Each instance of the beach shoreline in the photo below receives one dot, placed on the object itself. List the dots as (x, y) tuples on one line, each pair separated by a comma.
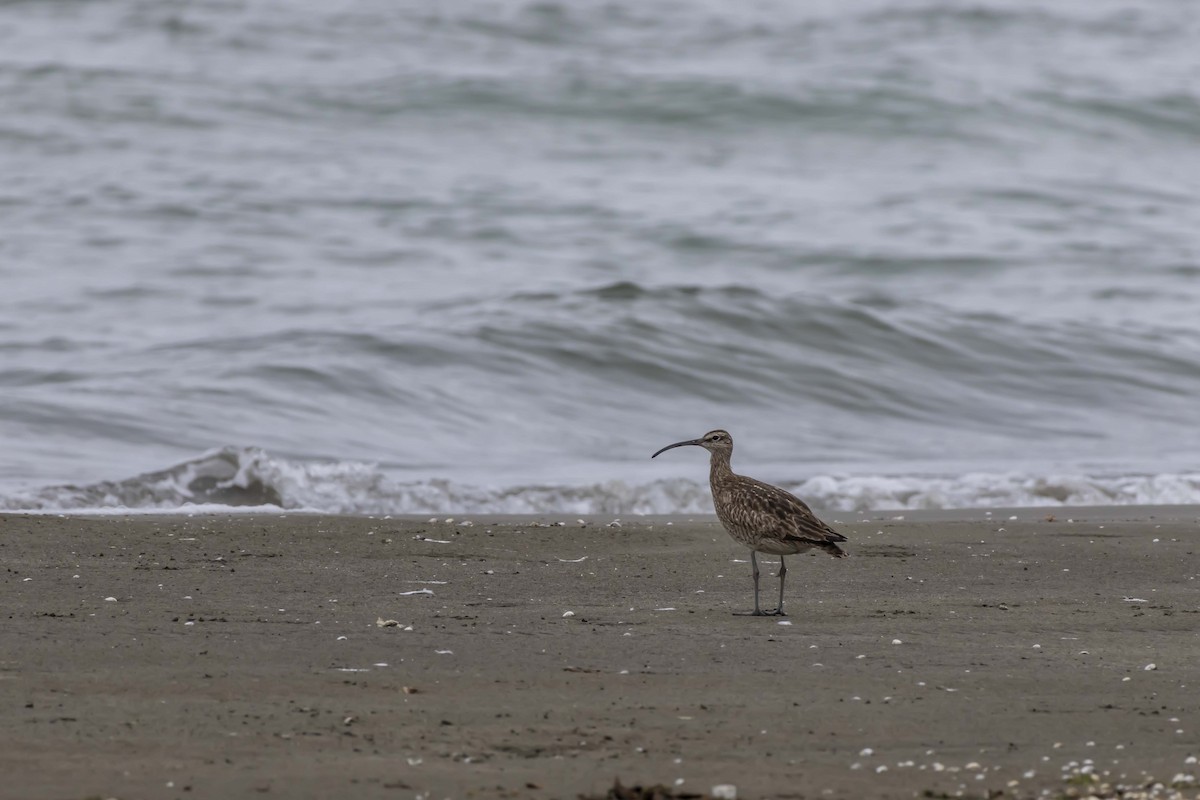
[(239, 655)]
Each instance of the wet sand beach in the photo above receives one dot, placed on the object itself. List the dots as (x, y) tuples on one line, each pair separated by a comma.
[(243, 656)]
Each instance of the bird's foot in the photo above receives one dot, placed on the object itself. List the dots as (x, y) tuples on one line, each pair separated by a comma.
[(756, 613)]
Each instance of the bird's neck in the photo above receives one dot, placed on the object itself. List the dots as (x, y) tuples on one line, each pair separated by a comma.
[(719, 469)]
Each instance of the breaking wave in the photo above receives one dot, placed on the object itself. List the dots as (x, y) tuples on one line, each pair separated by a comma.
[(236, 478)]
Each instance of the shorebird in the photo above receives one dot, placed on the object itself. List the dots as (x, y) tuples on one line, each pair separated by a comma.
[(760, 516)]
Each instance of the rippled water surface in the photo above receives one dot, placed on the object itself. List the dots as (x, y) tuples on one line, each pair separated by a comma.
[(387, 257)]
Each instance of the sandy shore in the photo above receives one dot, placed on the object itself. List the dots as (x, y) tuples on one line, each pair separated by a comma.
[(240, 656)]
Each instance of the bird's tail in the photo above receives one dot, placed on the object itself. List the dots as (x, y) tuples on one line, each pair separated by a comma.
[(830, 543), (833, 549)]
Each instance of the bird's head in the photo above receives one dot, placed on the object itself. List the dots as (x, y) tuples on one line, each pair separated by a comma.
[(717, 441)]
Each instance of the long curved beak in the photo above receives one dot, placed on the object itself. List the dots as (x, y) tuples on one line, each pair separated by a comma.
[(677, 444)]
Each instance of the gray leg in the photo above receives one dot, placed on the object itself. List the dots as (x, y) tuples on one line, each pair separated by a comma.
[(754, 564), (757, 612), (782, 575)]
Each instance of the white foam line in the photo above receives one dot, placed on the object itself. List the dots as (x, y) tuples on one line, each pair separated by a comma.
[(417, 591), (349, 487), (213, 509)]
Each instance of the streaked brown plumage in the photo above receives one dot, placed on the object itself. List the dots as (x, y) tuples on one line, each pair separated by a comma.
[(760, 516)]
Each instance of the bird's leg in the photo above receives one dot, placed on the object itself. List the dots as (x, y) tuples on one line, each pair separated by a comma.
[(754, 564), (782, 574), (757, 612)]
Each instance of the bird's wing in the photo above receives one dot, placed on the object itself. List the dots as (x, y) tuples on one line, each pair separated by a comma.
[(772, 510)]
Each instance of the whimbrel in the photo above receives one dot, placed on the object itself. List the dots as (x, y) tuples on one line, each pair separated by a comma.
[(760, 516)]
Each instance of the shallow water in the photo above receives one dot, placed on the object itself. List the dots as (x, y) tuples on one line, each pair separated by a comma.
[(490, 257)]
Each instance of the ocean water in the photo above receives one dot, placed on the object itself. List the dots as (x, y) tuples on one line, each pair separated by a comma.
[(490, 255)]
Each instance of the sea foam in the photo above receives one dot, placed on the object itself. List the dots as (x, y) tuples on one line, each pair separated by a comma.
[(234, 478)]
